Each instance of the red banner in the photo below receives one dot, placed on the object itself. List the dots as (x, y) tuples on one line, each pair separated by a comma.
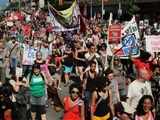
[(114, 33)]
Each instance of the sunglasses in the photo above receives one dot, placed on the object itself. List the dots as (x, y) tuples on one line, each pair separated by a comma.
[(104, 90), (75, 92)]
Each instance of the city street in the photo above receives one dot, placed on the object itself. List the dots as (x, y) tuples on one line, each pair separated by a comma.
[(51, 114)]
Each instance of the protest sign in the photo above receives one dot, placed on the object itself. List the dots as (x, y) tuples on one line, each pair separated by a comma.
[(153, 43), (29, 55), (19, 72), (114, 33), (127, 47), (131, 28)]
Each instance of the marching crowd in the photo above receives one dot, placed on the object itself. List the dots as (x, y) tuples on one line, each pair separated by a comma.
[(35, 62)]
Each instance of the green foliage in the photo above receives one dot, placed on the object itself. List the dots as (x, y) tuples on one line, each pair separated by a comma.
[(131, 6)]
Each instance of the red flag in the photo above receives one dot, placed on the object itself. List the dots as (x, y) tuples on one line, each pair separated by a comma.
[(26, 30)]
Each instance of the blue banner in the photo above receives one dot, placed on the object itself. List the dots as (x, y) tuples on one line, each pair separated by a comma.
[(130, 46)]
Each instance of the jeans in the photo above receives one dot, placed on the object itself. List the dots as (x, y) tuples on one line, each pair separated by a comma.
[(13, 65), (87, 100)]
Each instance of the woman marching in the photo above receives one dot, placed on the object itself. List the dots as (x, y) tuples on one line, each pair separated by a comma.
[(101, 103), (144, 109), (37, 83), (73, 104)]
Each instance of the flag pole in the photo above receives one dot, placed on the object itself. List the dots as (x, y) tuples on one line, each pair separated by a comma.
[(91, 9), (102, 8)]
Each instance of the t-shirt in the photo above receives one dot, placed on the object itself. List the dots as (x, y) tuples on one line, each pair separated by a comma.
[(136, 90), (37, 86)]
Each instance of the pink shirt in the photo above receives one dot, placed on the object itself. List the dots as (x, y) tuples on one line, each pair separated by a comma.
[(141, 118)]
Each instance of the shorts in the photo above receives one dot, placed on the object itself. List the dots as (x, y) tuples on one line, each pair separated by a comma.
[(38, 109), (68, 69), (38, 100)]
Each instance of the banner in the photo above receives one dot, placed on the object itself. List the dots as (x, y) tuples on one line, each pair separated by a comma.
[(127, 47), (128, 44), (153, 43), (66, 14), (29, 55), (114, 33), (131, 28), (62, 21)]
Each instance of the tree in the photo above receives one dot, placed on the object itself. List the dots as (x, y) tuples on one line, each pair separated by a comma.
[(131, 6)]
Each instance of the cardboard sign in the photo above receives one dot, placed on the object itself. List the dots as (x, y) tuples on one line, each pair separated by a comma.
[(115, 33), (19, 72), (153, 43)]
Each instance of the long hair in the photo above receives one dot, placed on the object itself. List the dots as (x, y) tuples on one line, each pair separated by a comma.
[(32, 72), (75, 85), (140, 110)]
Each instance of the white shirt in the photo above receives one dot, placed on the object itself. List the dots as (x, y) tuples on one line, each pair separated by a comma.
[(88, 56), (136, 90)]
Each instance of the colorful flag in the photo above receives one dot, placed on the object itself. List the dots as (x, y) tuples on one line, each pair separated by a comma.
[(131, 28), (66, 20)]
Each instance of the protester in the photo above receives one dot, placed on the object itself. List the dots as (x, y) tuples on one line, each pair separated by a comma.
[(101, 103), (37, 83), (89, 85), (20, 97), (144, 109), (123, 111), (138, 88), (30, 44), (113, 85), (73, 104)]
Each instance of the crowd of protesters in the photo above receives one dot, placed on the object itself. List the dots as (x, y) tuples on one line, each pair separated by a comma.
[(35, 62)]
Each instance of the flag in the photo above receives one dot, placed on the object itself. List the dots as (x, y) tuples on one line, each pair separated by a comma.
[(131, 28), (66, 20), (108, 50), (129, 41), (63, 15)]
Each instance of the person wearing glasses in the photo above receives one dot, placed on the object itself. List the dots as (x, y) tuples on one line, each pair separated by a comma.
[(73, 104)]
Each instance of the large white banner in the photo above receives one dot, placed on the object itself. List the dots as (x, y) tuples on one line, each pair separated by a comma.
[(153, 43), (131, 28), (129, 41)]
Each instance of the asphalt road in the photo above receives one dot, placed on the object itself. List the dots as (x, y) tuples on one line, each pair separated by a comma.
[(51, 114)]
